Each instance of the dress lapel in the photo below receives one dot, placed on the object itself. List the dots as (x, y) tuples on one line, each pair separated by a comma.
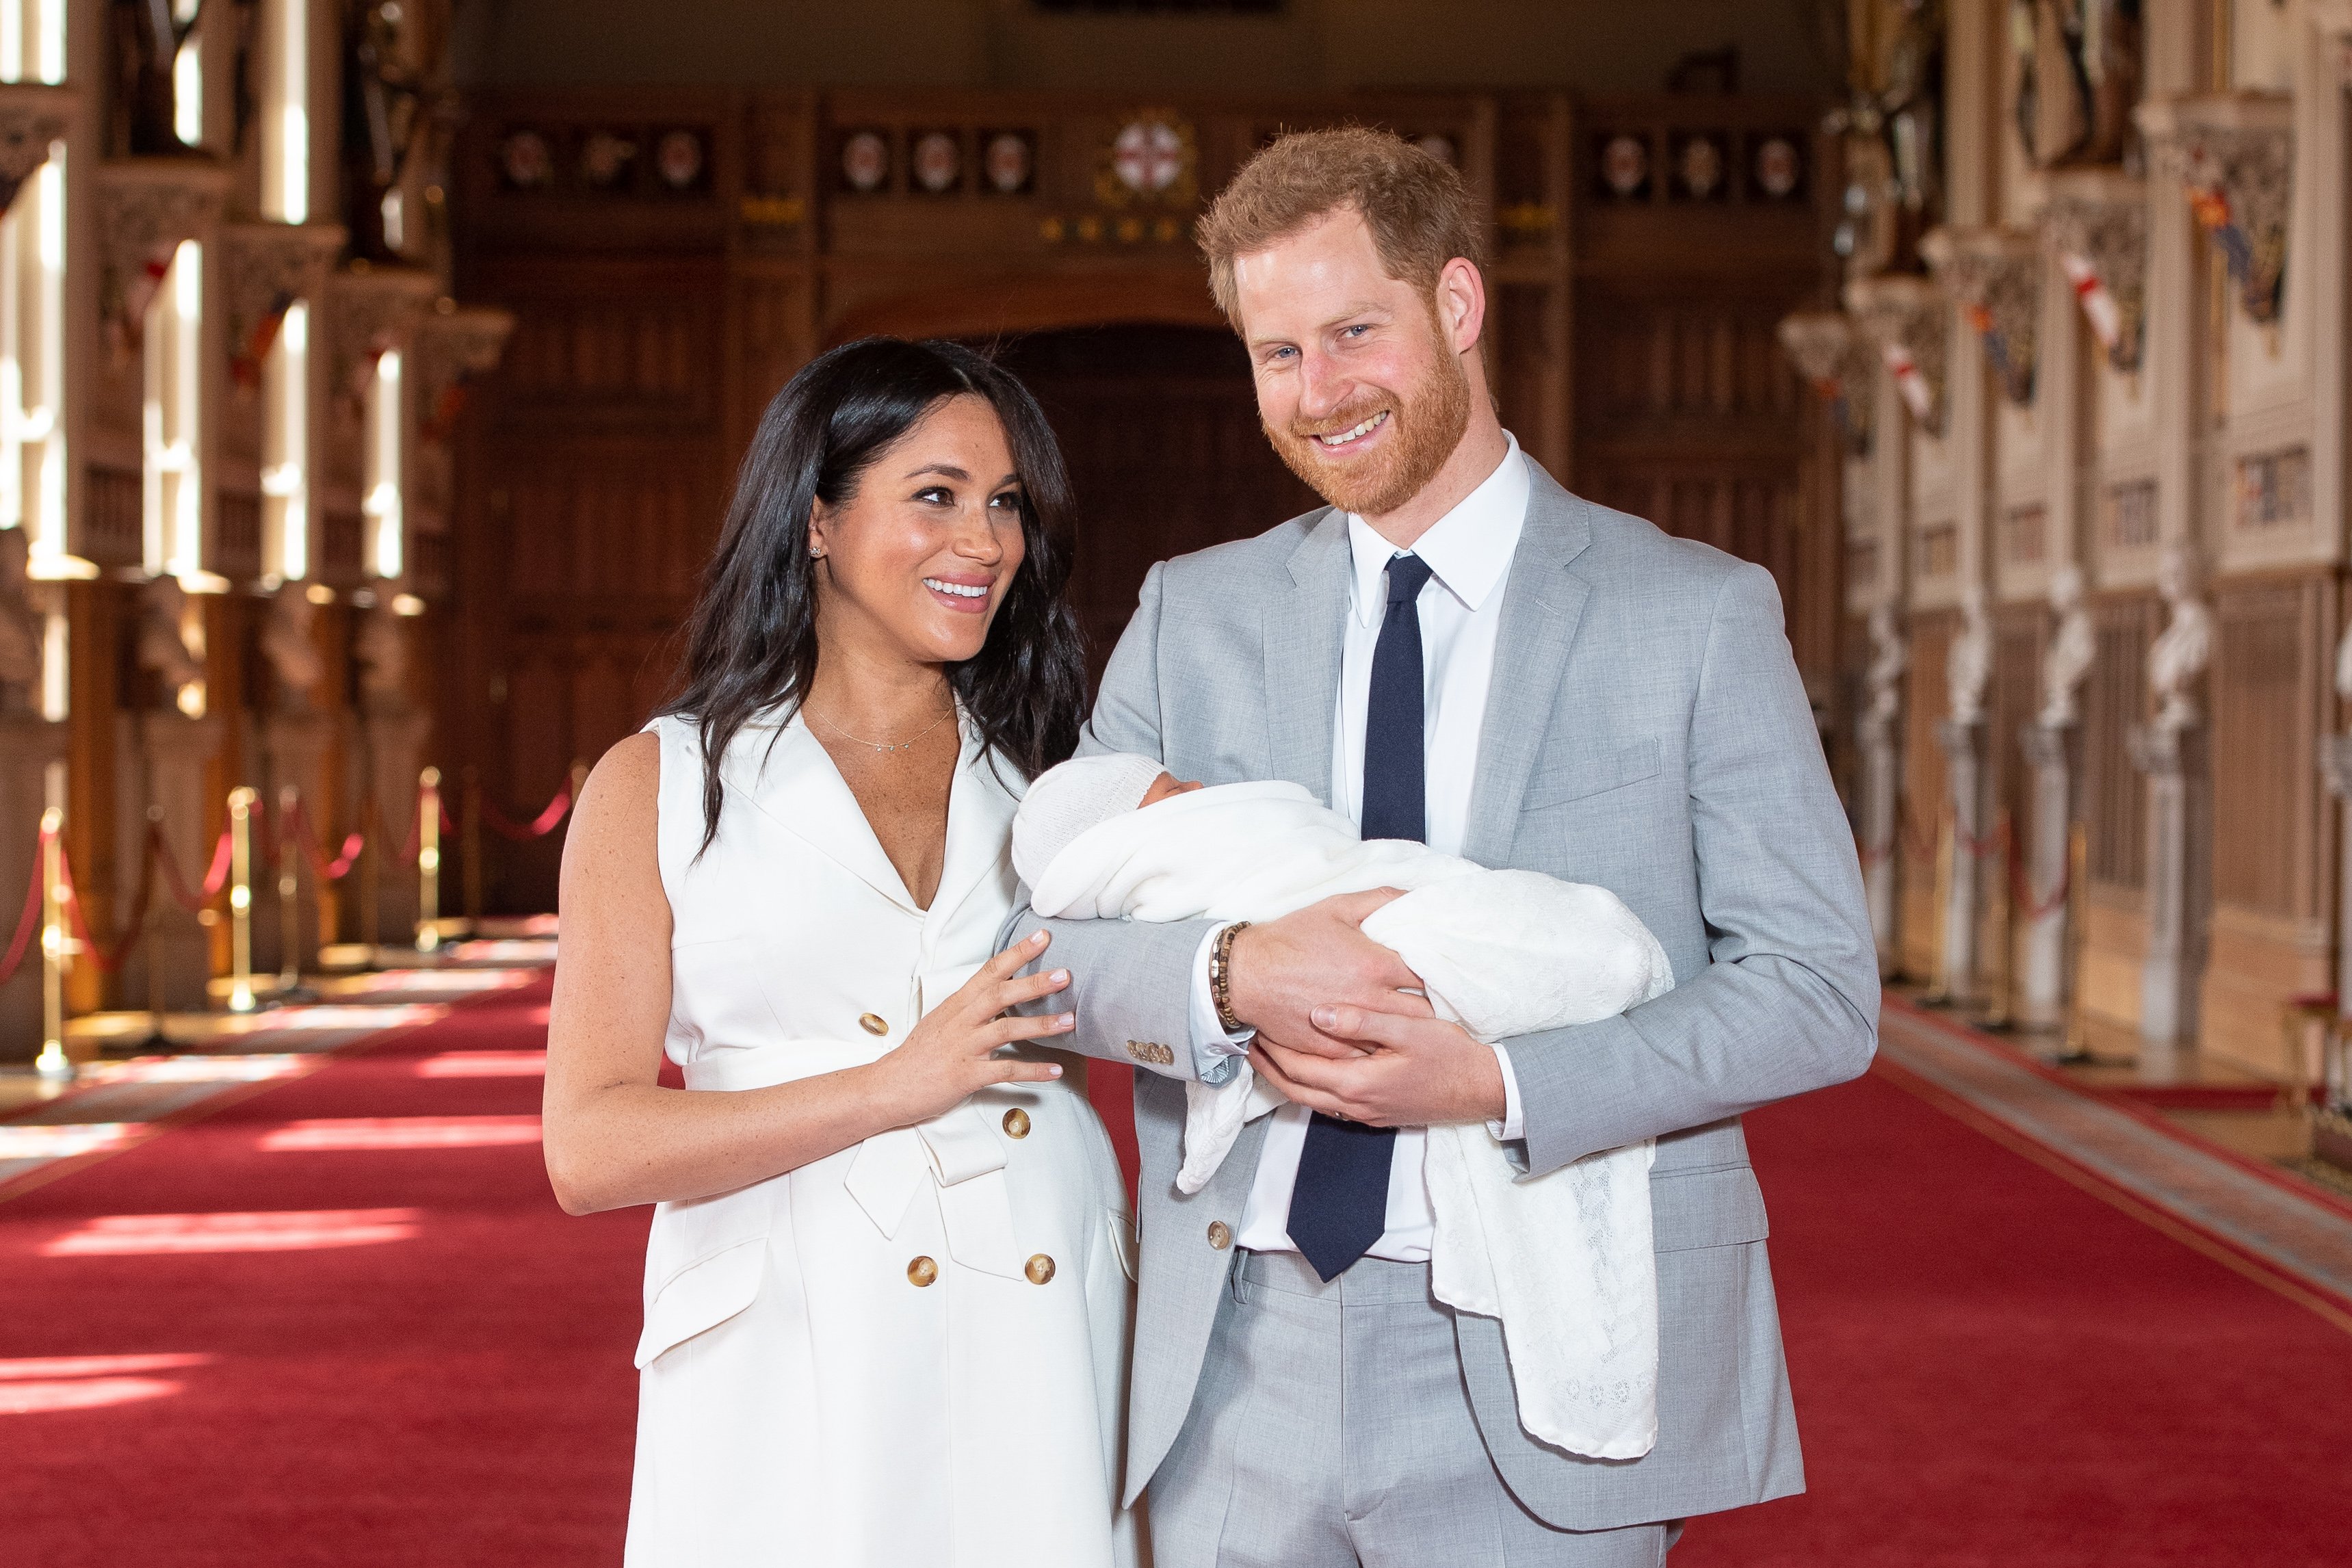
[(979, 825), (1303, 637), (795, 783), (1542, 603)]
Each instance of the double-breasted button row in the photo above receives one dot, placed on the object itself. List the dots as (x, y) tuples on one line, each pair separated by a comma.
[(923, 1271)]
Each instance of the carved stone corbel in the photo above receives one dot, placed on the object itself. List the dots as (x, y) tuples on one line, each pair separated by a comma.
[(146, 207), (265, 267), (1830, 355), (2332, 21), (1995, 275), (452, 344), (367, 313), (2097, 223), (32, 116), (2235, 154), (1901, 316)]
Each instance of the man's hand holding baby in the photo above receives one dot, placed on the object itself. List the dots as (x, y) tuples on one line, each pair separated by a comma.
[(1341, 1027)]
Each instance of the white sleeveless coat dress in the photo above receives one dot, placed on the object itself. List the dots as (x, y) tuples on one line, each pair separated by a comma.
[(913, 1350)]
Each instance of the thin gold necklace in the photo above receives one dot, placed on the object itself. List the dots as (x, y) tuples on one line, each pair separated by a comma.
[(876, 745)]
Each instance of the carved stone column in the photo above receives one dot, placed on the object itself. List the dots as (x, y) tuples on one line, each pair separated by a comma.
[(1836, 363), (2051, 749), (2180, 886), (393, 729), (1879, 735), (295, 735), (1963, 745), (1903, 317), (2335, 769), (454, 343), (1995, 275), (267, 266)]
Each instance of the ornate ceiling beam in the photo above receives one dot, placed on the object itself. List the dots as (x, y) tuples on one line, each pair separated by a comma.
[(146, 209), (2097, 223), (1995, 274), (2234, 151), (1901, 316), (32, 116)]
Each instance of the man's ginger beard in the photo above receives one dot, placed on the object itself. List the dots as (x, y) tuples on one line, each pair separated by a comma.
[(1426, 425)]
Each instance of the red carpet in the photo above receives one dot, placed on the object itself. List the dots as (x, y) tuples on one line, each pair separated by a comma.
[(1992, 1366)]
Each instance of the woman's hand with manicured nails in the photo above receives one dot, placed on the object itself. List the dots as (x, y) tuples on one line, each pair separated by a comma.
[(952, 1052)]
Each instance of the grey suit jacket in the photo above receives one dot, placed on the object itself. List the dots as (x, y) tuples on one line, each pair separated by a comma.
[(1645, 730)]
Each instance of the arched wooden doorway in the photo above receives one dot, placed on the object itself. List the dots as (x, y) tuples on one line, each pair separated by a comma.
[(1160, 427)]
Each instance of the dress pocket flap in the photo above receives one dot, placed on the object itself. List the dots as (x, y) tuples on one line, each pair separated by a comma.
[(1706, 1208), (1583, 776), (703, 1295)]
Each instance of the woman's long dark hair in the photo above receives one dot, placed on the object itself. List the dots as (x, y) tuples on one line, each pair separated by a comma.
[(751, 641)]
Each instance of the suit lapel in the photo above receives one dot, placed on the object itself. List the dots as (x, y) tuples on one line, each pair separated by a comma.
[(1542, 603), (1303, 636)]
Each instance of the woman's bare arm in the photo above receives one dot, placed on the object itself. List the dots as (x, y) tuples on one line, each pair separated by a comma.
[(615, 1137)]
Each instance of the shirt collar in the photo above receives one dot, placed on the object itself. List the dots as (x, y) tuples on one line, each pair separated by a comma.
[(1468, 550)]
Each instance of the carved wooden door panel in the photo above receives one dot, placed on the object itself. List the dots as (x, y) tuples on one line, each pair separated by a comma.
[(600, 475)]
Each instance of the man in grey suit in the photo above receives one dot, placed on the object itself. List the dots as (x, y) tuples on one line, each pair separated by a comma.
[(1459, 651)]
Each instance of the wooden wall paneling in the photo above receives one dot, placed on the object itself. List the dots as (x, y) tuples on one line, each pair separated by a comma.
[(2274, 829), (1532, 301), (2267, 690), (2114, 701), (1925, 789)]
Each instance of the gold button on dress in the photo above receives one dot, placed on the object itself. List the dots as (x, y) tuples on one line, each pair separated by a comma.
[(921, 1271), (1016, 1123), (873, 1024), (1040, 1269)]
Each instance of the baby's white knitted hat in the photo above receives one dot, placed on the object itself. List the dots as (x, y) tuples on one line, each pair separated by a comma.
[(1065, 801)]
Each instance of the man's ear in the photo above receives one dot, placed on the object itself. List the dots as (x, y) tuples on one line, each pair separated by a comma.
[(1462, 303)]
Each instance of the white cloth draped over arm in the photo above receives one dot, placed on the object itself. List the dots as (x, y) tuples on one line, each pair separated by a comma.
[(1563, 1260)]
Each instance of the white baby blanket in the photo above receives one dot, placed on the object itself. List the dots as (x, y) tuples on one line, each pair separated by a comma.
[(1563, 1260)]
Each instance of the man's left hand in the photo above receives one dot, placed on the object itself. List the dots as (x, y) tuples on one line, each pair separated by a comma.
[(1414, 1072)]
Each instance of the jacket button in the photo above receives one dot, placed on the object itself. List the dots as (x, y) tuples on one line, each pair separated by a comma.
[(872, 1023), (1040, 1269), (921, 1271), (1221, 1235), (1016, 1123)]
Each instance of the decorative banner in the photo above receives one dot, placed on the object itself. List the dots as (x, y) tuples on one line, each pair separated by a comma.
[(2099, 307)]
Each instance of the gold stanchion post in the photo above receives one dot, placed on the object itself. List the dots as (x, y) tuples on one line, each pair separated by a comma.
[(240, 899), (428, 860), (53, 1063)]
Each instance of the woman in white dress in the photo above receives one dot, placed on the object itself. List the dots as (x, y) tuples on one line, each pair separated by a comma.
[(889, 1287)]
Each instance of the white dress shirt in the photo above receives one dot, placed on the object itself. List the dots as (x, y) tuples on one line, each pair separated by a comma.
[(1468, 552)]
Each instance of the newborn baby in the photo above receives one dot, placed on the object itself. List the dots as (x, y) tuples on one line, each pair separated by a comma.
[(1564, 1260)]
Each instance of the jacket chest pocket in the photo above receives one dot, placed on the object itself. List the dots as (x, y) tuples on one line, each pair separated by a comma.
[(1581, 778)]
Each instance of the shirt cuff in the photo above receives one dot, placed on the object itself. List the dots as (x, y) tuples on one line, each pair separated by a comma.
[(1512, 1127), (1217, 1054)]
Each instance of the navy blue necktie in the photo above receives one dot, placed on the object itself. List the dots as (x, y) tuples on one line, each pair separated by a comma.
[(1340, 1204)]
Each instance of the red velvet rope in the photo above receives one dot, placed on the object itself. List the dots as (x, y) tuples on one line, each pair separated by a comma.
[(176, 882), (30, 921), (539, 827)]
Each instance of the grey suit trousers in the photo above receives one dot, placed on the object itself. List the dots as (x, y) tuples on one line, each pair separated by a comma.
[(1332, 1427)]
